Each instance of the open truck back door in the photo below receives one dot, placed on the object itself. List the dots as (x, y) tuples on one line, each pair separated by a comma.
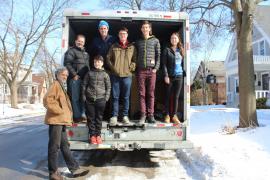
[(133, 136)]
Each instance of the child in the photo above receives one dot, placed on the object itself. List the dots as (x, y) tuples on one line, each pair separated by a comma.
[(96, 88)]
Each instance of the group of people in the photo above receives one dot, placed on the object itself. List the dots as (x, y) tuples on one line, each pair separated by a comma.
[(89, 84)]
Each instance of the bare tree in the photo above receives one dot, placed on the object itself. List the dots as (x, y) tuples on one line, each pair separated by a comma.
[(46, 63), (22, 36)]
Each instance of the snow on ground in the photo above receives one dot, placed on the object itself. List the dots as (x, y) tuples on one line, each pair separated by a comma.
[(244, 154), (219, 155), (10, 115)]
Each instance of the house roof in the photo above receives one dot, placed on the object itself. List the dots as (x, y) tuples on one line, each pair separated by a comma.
[(216, 68), (262, 17), (40, 80)]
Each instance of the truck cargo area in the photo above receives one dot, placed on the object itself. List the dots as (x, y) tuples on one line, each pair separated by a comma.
[(133, 136)]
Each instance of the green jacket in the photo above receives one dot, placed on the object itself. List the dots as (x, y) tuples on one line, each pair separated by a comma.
[(122, 61)]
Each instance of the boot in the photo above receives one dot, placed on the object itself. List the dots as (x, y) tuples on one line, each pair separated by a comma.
[(175, 119), (99, 140), (167, 119), (125, 120), (142, 119), (55, 176), (151, 119), (79, 172), (93, 140), (113, 121)]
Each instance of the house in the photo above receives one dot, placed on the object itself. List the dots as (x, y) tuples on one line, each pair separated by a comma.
[(261, 58), (26, 91), (210, 76), (42, 87)]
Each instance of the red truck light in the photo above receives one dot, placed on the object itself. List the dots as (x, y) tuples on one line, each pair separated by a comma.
[(85, 13), (179, 133), (70, 133)]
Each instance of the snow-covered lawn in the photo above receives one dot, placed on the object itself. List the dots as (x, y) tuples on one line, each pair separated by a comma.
[(10, 115), (244, 154)]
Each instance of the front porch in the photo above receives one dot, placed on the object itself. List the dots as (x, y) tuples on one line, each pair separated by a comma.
[(233, 98)]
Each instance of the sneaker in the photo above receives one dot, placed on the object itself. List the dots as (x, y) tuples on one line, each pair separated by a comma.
[(142, 119), (79, 172), (167, 119), (55, 176), (151, 119), (113, 121), (93, 140), (125, 120), (175, 119), (99, 140)]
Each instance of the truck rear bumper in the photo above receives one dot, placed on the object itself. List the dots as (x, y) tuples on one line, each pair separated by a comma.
[(131, 145)]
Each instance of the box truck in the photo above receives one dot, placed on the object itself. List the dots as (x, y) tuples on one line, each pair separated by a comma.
[(134, 136)]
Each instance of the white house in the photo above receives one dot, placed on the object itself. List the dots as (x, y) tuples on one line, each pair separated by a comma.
[(261, 58), (25, 92)]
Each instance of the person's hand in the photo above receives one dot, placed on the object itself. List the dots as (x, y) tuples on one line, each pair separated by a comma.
[(167, 80), (154, 70), (76, 77)]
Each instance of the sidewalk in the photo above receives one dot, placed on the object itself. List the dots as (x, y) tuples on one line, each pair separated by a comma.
[(10, 115)]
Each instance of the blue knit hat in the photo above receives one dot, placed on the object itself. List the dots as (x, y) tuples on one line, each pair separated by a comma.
[(103, 23)]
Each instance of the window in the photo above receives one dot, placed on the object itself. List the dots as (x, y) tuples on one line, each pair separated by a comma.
[(262, 48), (236, 85), (265, 81)]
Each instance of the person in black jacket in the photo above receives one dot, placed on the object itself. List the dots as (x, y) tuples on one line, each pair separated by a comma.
[(148, 60), (101, 44), (172, 61), (77, 62), (96, 88)]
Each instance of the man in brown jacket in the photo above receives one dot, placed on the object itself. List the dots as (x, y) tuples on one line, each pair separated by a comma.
[(58, 116), (121, 60)]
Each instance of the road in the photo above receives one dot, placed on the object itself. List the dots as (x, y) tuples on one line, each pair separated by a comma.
[(23, 149)]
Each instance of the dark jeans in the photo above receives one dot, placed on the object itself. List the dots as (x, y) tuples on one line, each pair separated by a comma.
[(146, 85), (74, 88), (58, 140), (120, 86), (172, 95), (94, 113)]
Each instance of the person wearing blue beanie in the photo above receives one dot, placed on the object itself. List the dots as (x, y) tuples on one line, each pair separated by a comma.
[(103, 23)]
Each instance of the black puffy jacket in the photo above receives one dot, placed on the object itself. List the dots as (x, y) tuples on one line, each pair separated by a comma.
[(168, 62), (96, 85), (77, 62), (148, 53)]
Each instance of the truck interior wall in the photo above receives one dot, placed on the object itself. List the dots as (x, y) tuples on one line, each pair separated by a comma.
[(162, 30)]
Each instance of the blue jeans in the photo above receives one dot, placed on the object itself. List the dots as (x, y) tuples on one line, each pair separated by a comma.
[(75, 92), (120, 85)]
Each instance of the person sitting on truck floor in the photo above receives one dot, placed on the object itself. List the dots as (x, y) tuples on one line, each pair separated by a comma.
[(96, 89), (101, 44), (148, 61), (58, 116), (172, 66), (121, 61), (77, 62)]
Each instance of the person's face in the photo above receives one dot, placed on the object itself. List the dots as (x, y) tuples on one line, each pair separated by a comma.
[(103, 31), (80, 41), (123, 36), (98, 64), (62, 76), (174, 40), (146, 29)]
